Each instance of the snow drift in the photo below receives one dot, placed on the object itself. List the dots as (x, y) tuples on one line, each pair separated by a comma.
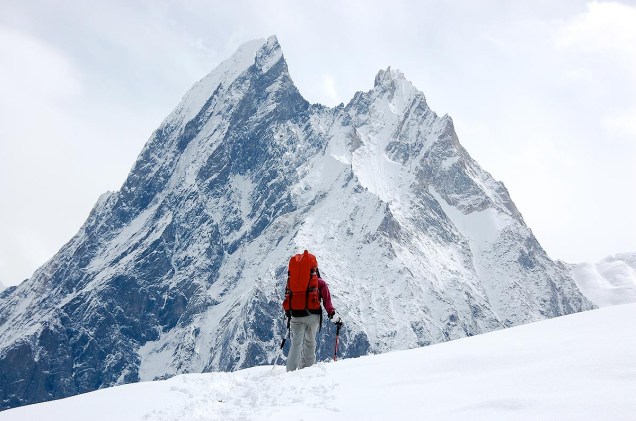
[(608, 282)]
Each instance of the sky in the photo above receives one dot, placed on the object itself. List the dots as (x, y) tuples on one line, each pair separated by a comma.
[(575, 367), (542, 94)]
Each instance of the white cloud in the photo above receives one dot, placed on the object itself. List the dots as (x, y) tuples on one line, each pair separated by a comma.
[(605, 27), (32, 68), (622, 123), (38, 85), (330, 93)]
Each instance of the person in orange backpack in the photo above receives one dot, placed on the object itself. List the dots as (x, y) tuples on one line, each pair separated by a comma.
[(304, 293)]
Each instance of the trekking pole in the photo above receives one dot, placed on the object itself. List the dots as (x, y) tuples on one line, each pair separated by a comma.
[(282, 344), (335, 351)]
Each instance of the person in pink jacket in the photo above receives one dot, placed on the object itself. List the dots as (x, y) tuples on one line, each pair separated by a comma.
[(304, 324)]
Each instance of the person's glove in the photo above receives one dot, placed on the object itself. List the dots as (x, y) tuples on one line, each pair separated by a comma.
[(335, 318)]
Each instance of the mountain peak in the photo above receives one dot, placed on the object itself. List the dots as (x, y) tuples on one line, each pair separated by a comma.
[(388, 76), (269, 54), (264, 53), (272, 39)]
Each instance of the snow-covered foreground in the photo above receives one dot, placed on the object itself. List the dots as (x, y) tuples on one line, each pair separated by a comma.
[(608, 282), (578, 367)]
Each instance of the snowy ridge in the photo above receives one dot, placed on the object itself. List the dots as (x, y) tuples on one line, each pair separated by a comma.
[(608, 282), (224, 74), (574, 367), (182, 270)]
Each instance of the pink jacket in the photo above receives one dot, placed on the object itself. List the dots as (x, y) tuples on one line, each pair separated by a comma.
[(326, 297)]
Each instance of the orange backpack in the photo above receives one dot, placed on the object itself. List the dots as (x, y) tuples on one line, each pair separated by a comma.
[(302, 292)]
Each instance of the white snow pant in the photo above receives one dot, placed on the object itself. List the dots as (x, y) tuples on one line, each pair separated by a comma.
[(303, 341)]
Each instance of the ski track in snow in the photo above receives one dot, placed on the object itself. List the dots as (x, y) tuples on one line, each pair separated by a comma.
[(578, 367)]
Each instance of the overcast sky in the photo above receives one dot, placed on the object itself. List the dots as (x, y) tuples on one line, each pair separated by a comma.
[(542, 93)]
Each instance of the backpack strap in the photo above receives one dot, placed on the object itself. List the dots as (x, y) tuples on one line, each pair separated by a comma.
[(312, 272), (288, 291)]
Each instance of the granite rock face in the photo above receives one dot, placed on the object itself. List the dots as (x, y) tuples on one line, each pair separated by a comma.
[(182, 270)]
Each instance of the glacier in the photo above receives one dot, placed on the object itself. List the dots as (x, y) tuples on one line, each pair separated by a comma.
[(182, 269)]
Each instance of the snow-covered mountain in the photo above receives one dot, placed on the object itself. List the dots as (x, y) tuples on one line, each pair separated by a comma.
[(608, 282), (182, 270), (577, 367), (2, 286)]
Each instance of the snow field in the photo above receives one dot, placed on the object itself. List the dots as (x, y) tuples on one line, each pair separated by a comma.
[(609, 282), (577, 367)]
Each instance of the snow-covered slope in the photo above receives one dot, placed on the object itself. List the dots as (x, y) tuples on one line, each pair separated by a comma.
[(577, 367), (182, 269), (608, 282)]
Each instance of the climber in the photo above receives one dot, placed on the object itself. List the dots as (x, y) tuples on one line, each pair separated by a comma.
[(303, 296)]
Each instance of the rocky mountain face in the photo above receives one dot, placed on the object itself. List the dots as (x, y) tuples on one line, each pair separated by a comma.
[(183, 269)]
